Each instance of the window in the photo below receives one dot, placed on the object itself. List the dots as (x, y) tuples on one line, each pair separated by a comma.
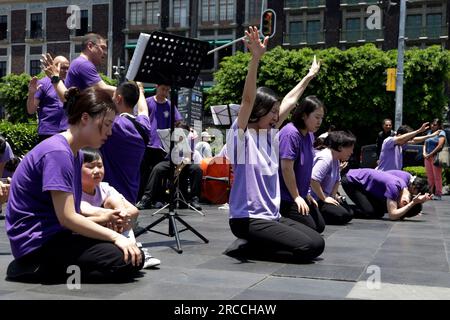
[(296, 34), (152, 12), (35, 67), (254, 10), (3, 27), (135, 13), (226, 10), (413, 25), (208, 10), (180, 12), (434, 22), (2, 69), (84, 23), (36, 26), (313, 31), (353, 29)]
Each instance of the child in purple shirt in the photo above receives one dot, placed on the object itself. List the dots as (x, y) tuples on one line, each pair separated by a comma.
[(129, 136), (375, 192), (46, 232), (252, 147), (296, 158), (325, 177)]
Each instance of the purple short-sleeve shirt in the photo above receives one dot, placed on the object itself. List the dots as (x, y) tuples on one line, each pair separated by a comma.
[(51, 114), (256, 190), (30, 218), (159, 114), (297, 147), (380, 184), (82, 74), (325, 171), (391, 156), (122, 155)]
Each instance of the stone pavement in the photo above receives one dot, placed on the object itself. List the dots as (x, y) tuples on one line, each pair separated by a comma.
[(411, 258)]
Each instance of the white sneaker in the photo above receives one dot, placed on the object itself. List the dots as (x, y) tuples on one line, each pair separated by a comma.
[(149, 261)]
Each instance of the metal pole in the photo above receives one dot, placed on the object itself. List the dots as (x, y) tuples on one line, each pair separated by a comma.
[(226, 45), (400, 58)]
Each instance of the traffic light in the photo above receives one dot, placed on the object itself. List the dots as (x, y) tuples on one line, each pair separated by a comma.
[(391, 79), (268, 19)]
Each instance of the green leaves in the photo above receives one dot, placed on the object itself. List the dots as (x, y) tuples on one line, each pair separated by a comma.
[(351, 83), (13, 96), (21, 136)]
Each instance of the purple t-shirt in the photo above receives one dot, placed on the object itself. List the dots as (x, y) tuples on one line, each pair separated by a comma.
[(405, 176), (159, 114), (30, 218), (122, 155), (391, 156), (380, 184), (81, 74), (297, 147), (102, 192), (256, 189), (51, 115), (325, 171)]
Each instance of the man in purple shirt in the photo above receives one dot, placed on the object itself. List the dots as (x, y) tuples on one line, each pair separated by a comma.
[(82, 72), (159, 114), (375, 192), (43, 98), (123, 151)]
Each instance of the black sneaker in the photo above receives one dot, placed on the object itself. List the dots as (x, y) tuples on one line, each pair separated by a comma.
[(144, 204), (194, 203)]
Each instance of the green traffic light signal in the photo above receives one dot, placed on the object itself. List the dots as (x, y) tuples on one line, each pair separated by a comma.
[(268, 19)]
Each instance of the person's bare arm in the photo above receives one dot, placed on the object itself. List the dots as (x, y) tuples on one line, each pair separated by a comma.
[(404, 138), (396, 213), (142, 104), (102, 85), (317, 188), (287, 170), (32, 102), (290, 100), (64, 205), (257, 49)]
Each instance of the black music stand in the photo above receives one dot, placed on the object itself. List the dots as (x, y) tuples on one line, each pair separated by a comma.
[(175, 61)]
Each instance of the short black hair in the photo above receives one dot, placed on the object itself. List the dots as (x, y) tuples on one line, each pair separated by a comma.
[(339, 139), (2, 145), (91, 154), (414, 211), (264, 102), (306, 107), (129, 90), (421, 185), (404, 129)]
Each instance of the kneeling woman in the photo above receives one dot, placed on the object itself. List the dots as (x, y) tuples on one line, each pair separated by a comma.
[(376, 192), (326, 176), (46, 231), (252, 149)]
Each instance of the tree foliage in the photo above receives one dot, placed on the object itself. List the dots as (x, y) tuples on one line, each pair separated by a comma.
[(351, 83), (21, 136)]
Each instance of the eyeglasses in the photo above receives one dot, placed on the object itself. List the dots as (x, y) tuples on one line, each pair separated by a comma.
[(103, 47)]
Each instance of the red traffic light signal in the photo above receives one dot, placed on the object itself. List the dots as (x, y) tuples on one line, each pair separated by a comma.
[(268, 20)]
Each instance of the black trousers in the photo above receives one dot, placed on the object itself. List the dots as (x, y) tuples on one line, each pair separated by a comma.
[(97, 260), (336, 215), (367, 206), (160, 173), (281, 236), (314, 219), (151, 158)]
